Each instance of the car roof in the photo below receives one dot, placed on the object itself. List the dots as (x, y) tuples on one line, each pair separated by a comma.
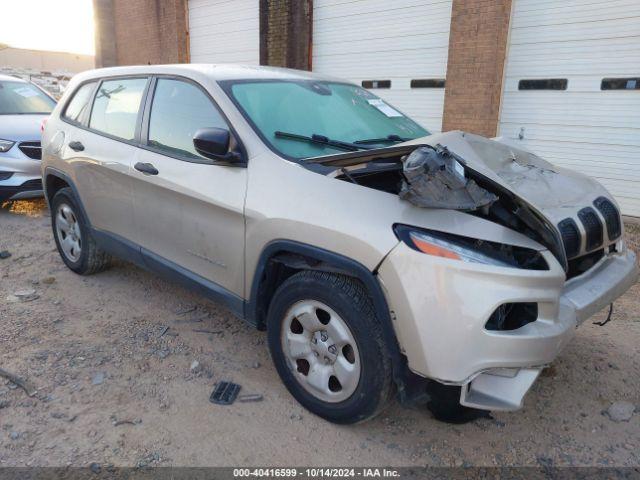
[(213, 71), (11, 78)]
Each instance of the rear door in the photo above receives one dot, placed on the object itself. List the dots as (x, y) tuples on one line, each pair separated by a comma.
[(101, 149), (189, 213)]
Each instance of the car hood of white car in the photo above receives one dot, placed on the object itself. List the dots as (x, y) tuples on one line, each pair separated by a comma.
[(21, 128)]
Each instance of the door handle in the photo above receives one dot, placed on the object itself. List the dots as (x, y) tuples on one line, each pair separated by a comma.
[(146, 168), (76, 146)]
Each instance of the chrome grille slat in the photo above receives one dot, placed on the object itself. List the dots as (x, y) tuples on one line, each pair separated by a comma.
[(593, 228), (611, 216), (570, 237)]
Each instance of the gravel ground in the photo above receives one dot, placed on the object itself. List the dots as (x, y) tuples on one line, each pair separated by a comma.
[(111, 357)]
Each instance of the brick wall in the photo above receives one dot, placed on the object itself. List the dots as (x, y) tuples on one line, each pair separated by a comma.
[(142, 32), (156, 31), (477, 49), (285, 33)]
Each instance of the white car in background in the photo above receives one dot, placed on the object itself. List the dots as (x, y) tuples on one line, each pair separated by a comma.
[(23, 108)]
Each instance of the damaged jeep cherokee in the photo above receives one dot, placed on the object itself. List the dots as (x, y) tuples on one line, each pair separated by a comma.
[(448, 269)]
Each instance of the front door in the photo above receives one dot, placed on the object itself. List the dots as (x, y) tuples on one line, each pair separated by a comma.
[(189, 213)]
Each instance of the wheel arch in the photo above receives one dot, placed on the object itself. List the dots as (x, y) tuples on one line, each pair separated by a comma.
[(53, 181), (282, 258)]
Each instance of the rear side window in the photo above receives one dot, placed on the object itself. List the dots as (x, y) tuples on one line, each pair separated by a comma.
[(79, 103), (178, 111), (115, 109)]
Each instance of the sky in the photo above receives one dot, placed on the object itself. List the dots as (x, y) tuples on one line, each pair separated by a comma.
[(60, 25)]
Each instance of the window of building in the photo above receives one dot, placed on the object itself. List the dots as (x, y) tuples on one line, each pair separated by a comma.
[(543, 84), (620, 84), (178, 111), (115, 109), (427, 83), (376, 84), (79, 102)]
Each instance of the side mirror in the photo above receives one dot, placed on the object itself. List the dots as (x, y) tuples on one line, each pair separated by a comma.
[(214, 143)]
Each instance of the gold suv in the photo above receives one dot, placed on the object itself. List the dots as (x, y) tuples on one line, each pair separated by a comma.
[(381, 259)]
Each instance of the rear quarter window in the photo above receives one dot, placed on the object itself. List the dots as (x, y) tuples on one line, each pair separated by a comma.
[(79, 103), (116, 106)]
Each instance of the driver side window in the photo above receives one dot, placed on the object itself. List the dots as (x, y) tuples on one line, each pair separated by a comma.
[(179, 109)]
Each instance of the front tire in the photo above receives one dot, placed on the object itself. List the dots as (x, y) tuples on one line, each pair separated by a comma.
[(73, 237), (327, 345)]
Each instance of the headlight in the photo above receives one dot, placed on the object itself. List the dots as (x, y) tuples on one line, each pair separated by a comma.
[(5, 145), (465, 249)]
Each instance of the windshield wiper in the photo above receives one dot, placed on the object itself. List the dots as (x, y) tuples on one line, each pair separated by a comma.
[(322, 140), (387, 139)]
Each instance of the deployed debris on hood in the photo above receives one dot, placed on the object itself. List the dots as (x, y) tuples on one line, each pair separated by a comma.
[(433, 178)]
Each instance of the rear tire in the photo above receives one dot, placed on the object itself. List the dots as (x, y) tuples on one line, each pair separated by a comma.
[(73, 237), (328, 347)]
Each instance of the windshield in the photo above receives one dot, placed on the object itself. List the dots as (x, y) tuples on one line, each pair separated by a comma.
[(284, 112), (17, 98)]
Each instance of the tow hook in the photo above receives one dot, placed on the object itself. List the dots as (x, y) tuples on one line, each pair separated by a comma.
[(608, 319)]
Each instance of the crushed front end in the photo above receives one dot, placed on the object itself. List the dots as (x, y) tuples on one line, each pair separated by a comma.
[(531, 251), (445, 311)]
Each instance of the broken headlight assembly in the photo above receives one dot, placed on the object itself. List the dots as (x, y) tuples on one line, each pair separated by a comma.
[(470, 250)]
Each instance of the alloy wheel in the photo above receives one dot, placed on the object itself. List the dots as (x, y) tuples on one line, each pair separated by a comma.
[(321, 351), (68, 232)]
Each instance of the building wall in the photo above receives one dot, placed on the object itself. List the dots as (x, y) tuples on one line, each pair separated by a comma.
[(105, 33), (44, 61), (475, 70), (130, 32), (156, 31), (285, 33)]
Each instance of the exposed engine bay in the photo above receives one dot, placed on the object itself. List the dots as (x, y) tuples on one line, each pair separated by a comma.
[(433, 178), (488, 179)]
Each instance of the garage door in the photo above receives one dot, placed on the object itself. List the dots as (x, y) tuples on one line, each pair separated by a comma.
[(391, 43), (224, 31), (572, 90)]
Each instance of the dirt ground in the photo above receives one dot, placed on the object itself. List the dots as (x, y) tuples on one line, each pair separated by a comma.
[(111, 356)]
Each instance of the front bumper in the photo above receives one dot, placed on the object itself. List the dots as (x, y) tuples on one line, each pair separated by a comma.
[(24, 176), (21, 187), (440, 307)]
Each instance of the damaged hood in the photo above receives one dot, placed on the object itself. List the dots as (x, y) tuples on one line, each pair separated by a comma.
[(556, 192)]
